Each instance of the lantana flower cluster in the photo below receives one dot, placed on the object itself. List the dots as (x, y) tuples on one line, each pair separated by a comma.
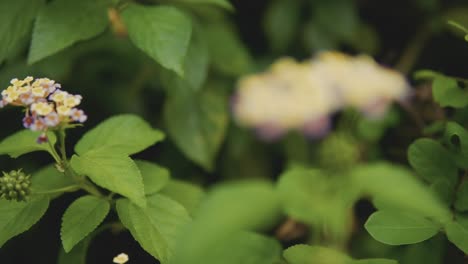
[(303, 96), (47, 106)]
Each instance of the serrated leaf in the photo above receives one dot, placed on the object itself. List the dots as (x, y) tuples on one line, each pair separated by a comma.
[(458, 235), (77, 255), (49, 178), (62, 23), (81, 218), (232, 58), (155, 177), (18, 217), (14, 29), (187, 194), (446, 92), (396, 188), (126, 134), (162, 32), (398, 228), (156, 226), (197, 124), (112, 171), (227, 210), (432, 161), (23, 142)]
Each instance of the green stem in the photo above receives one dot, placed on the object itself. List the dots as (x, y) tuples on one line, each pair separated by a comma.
[(61, 136), (53, 152), (70, 188)]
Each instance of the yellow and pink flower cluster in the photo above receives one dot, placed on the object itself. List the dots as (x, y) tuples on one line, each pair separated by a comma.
[(47, 106), (304, 96)]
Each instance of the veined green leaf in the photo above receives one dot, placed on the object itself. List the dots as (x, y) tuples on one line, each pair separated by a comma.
[(18, 217), (112, 171), (23, 142), (81, 218), (154, 176), (162, 32), (126, 134), (62, 23)]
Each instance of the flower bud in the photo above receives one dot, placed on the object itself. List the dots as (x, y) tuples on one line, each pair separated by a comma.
[(15, 185)]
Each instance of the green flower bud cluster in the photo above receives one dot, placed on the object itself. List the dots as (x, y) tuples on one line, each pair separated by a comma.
[(15, 185), (338, 152)]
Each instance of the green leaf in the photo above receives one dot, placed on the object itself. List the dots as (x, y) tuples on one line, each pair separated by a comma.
[(457, 233), (187, 194), (221, 3), (396, 188), (81, 218), (446, 92), (155, 177), (196, 62), (312, 196), (426, 75), (48, 179), (125, 134), (156, 226), (62, 23), (340, 18), (456, 138), (162, 32), (18, 217), (14, 28), (432, 161), (400, 228), (304, 254), (77, 255), (281, 23), (225, 211), (245, 248), (112, 171), (461, 203), (232, 57), (23, 142), (197, 124)]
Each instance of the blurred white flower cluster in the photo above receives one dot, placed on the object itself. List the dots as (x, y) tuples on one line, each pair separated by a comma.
[(46, 105), (303, 96)]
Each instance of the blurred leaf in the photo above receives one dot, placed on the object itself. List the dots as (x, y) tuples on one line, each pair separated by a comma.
[(394, 187), (312, 196), (432, 161), (316, 39), (162, 32), (62, 23), (446, 92), (23, 142), (187, 194), (339, 17), (196, 62), (126, 134), (305, 254), (399, 228), (232, 57), (18, 217), (373, 129), (220, 3), (418, 253), (365, 39), (49, 178), (426, 75), (456, 138), (457, 233), (197, 123), (14, 28), (155, 177), (156, 226), (112, 171), (81, 218), (281, 22), (225, 211), (461, 202)]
